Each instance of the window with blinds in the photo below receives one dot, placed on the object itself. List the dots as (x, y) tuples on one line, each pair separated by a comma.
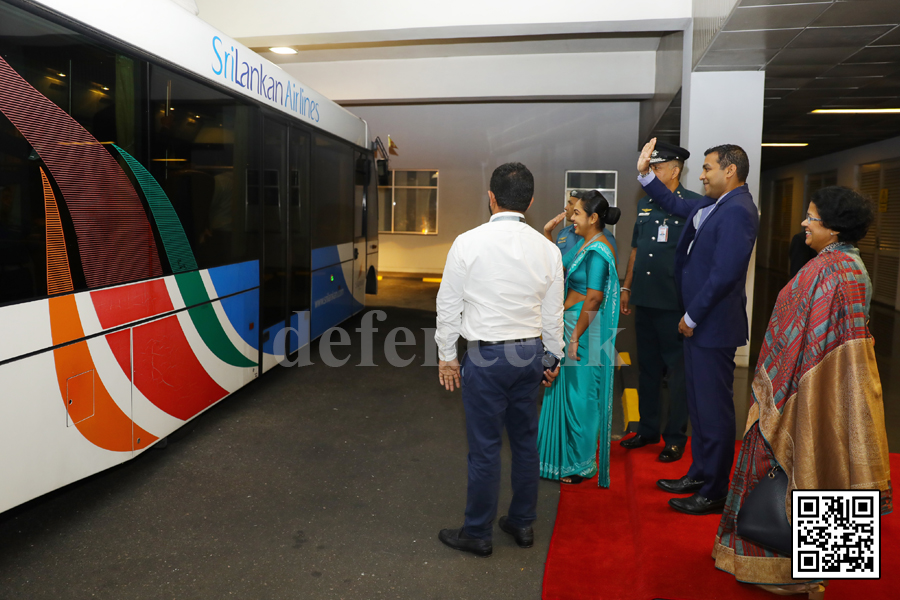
[(817, 181), (880, 249)]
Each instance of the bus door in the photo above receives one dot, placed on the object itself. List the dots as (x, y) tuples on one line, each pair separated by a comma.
[(332, 233), (371, 221), (299, 245), (274, 281), (360, 189)]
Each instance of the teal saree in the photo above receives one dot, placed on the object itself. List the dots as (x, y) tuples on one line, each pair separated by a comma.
[(576, 415)]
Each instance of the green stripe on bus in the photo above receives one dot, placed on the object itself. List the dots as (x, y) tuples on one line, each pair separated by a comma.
[(175, 242), (207, 322)]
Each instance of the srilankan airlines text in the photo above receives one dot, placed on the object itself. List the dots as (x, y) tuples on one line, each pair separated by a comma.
[(229, 65)]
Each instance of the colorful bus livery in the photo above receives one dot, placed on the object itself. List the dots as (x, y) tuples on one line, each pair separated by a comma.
[(158, 231)]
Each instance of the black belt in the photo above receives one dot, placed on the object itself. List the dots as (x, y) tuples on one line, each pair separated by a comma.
[(519, 341)]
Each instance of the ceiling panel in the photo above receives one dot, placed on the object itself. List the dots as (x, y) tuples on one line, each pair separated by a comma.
[(841, 82), (783, 16), (890, 39), (772, 2), (851, 102), (860, 13), (738, 58), (751, 40), (789, 83), (805, 71), (863, 69), (875, 54), (813, 56), (824, 37)]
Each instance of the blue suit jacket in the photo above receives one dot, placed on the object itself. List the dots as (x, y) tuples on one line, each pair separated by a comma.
[(712, 278)]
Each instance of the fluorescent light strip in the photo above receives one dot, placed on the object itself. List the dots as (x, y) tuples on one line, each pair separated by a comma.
[(786, 145), (856, 111), (282, 50)]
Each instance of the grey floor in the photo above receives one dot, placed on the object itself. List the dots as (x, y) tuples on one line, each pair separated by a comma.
[(314, 482)]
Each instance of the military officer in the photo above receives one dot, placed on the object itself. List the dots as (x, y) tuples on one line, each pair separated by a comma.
[(650, 286), (567, 238)]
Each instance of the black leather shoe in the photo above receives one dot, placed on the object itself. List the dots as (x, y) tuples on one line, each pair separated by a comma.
[(685, 485), (524, 536), (697, 505), (458, 540), (671, 453), (638, 441)]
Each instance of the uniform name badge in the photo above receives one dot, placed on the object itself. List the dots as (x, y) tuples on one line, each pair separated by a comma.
[(662, 235)]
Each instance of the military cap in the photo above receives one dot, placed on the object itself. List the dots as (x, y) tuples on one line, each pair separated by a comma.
[(665, 152)]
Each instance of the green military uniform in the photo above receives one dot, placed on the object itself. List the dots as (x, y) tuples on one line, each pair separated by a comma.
[(658, 312)]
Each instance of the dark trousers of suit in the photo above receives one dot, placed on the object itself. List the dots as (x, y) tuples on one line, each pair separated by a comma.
[(498, 393), (710, 392), (659, 347)]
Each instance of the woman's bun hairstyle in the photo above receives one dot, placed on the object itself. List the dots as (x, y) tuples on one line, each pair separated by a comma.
[(613, 214), (594, 202)]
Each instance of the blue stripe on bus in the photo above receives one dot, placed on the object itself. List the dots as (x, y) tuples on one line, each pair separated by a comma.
[(231, 279), (242, 311)]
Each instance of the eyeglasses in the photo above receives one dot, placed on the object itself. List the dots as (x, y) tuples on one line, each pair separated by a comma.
[(809, 217)]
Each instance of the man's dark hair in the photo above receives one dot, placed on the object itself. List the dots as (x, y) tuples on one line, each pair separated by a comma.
[(845, 211), (513, 186), (731, 154)]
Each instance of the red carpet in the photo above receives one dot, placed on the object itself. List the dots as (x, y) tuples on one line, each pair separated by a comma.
[(625, 543)]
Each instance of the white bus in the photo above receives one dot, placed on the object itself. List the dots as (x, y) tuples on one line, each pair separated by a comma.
[(169, 203)]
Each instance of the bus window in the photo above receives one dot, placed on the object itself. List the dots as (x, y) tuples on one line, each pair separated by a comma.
[(332, 192), (202, 155)]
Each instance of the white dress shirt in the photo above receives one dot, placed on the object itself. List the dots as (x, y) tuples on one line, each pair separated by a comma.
[(502, 281)]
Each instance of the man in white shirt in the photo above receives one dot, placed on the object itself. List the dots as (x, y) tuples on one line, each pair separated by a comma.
[(502, 290)]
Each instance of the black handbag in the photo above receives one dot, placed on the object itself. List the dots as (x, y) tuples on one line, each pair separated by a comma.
[(761, 519)]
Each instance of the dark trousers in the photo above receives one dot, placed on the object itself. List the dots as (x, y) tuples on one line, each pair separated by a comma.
[(659, 347), (498, 393), (710, 391)]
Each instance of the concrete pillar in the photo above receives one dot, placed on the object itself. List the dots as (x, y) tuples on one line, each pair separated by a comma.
[(724, 107)]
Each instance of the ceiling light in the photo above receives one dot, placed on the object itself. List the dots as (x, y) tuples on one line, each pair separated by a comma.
[(785, 145), (282, 50), (855, 111), (61, 74)]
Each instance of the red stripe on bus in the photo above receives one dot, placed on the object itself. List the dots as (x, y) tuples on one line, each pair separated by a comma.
[(129, 303), (168, 373)]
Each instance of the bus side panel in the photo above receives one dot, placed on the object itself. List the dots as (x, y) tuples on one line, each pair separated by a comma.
[(42, 448), (332, 294)]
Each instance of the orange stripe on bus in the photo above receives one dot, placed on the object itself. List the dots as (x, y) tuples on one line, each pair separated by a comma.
[(59, 278), (108, 427)]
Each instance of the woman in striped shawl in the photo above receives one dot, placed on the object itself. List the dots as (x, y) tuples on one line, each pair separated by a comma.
[(817, 411)]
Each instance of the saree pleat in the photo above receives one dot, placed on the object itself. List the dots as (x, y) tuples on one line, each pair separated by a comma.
[(576, 416)]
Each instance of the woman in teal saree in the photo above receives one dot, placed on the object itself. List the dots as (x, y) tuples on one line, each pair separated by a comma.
[(576, 415)]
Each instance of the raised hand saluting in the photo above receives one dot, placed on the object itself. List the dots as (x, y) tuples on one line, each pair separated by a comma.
[(643, 164)]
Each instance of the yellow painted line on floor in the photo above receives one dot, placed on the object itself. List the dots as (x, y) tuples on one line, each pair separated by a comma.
[(630, 406), (624, 359), (431, 279)]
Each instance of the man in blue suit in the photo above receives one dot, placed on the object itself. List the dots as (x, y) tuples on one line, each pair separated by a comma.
[(711, 262)]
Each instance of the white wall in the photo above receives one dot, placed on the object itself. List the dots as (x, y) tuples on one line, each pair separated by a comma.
[(460, 18), (708, 121), (466, 142), (606, 75)]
